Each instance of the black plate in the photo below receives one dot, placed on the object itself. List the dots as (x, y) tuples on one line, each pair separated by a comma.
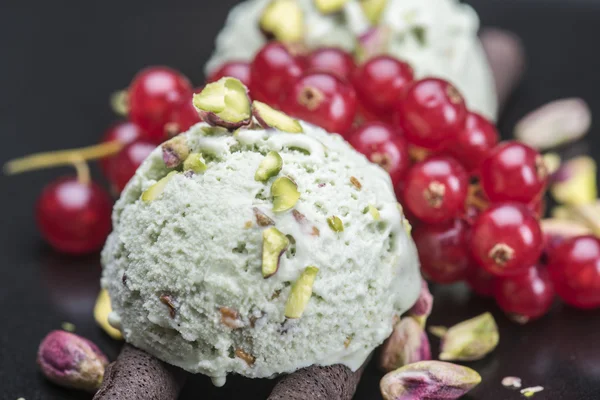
[(61, 60)]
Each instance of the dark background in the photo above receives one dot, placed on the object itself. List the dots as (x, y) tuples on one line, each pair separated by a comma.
[(60, 60)]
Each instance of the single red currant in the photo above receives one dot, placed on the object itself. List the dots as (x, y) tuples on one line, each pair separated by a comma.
[(381, 144), (330, 60), (124, 132), (432, 113), (436, 189), (380, 83), (272, 72), (514, 172), (443, 251), (506, 239), (574, 267), (526, 296), (235, 69), (474, 143), (481, 281), (74, 217), (153, 95), (324, 100), (122, 167), (181, 119)]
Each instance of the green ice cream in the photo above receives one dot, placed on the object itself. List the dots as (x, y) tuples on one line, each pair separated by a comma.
[(205, 275)]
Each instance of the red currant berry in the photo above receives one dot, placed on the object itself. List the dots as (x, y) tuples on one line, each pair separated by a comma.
[(272, 72), (153, 95), (526, 296), (481, 281), (436, 189), (443, 251), (381, 144), (514, 172), (124, 132), (330, 60), (235, 69), (182, 118), (122, 167), (324, 100), (506, 239), (432, 113), (380, 82), (474, 143), (574, 267), (74, 217)]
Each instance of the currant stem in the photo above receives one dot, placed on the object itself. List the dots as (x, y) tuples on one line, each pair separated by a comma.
[(83, 172), (62, 157)]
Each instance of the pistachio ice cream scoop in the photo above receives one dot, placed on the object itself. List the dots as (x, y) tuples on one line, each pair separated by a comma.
[(437, 37), (258, 251)]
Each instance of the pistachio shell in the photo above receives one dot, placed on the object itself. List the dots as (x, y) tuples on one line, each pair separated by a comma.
[(301, 293)]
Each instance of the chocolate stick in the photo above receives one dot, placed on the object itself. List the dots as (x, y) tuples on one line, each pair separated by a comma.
[(138, 375), (506, 56), (336, 382)]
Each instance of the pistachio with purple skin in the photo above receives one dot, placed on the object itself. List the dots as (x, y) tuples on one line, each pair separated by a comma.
[(175, 151), (261, 218), (407, 344), (429, 380), (575, 182), (224, 103), (71, 361), (422, 308), (470, 340)]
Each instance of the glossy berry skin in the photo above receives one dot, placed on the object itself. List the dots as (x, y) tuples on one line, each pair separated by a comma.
[(324, 100), (526, 296), (436, 189), (182, 118), (506, 239), (383, 145), (443, 250), (331, 60), (272, 73), (74, 217), (123, 166), (481, 281), (235, 69), (380, 83), (514, 172), (474, 143), (124, 132), (153, 96), (432, 113), (574, 267)]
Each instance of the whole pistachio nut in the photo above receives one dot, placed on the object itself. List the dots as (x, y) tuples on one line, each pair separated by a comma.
[(336, 224), (575, 182), (154, 191), (429, 380), (194, 162), (555, 124), (373, 9), (301, 293), (470, 340), (269, 167), (283, 20), (372, 43), (275, 244), (224, 103), (102, 310), (330, 6), (407, 344), (71, 361), (422, 308), (285, 194), (175, 151), (268, 117)]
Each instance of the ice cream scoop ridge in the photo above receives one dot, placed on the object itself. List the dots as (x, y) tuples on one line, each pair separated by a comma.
[(184, 270)]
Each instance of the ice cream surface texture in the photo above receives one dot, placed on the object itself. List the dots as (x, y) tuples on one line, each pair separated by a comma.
[(437, 37), (188, 263)]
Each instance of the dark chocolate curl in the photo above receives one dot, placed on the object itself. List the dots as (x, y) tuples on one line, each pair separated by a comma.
[(336, 382), (506, 57), (136, 375)]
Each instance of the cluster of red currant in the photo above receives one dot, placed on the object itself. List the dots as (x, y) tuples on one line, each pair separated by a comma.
[(475, 203)]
